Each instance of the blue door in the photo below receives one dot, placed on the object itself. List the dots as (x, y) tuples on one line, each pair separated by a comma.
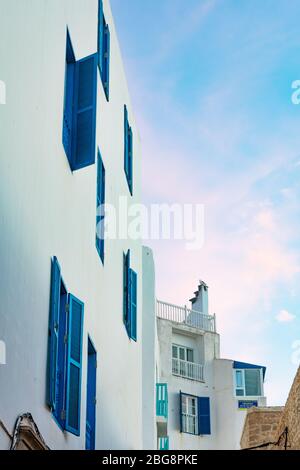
[(91, 398)]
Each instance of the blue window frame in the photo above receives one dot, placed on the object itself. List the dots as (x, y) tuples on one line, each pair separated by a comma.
[(103, 49), (91, 397), (128, 151), (194, 414), (80, 101), (130, 298), (64, 354), (100, 215)]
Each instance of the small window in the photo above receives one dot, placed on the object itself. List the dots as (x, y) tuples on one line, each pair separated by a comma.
[(103, 49), (248, 382), (128, 151), (182, 353), (194, 414)]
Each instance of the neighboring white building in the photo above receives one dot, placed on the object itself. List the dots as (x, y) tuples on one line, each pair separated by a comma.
[(206, 397), (65, 110)]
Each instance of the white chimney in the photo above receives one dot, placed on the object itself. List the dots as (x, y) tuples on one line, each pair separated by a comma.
[(200, 300)]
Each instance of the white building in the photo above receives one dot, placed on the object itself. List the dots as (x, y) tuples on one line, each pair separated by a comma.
[(203, 398), (67, 134)]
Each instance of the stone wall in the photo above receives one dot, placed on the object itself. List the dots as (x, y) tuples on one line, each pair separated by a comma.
[(280, 427)]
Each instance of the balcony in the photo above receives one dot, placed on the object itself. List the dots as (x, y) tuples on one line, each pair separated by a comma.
[(163, 443), (162, 410), (187, 370), (185, 316)]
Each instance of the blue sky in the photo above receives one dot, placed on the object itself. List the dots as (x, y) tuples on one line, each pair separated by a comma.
[(210, 81)]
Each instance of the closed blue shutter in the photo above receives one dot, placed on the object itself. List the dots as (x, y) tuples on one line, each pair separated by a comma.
[(53, 333), (84, 116), (180, 411), (75, 329), (130, 158), (106, 61), (91, 398), (133, 306), (203, 416)]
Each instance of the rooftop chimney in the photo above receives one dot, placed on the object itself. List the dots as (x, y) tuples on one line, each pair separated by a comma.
[(200, 299)]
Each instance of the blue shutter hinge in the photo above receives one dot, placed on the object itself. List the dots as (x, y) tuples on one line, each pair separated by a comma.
[(63, 415), (67, 308), (66, 338)]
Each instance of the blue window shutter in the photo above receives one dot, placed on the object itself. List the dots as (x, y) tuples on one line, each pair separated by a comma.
[(68, 98), (84, 114), (91, 397), (126, 165), (106, 60), (180, 411), (74, 365), (204, 416), (53, 333), (126, 284), (100, 202), (133, 306), (100, 35), (130, 158)]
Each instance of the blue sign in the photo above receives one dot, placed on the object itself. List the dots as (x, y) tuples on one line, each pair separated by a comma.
[(244, 404)]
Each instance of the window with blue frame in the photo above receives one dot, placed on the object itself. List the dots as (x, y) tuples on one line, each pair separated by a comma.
[(194, 414), (128, 151), (100, 214), (90, 435), (64, 354), (103, 49), (80, 100), (130, 298)]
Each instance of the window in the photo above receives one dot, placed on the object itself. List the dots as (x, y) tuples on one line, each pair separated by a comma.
[(248, 382), (90, 434), (128, 150), (194, 414), (100, 214), (64, 354), (183, 361), (79, 120), (103, 49), (129, 298)]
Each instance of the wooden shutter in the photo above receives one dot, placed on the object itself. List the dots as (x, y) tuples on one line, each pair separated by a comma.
[(74, 365), (53, 333), (84, 115), (203, 416)]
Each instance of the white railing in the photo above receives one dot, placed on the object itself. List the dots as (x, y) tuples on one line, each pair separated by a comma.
[(185, 316), (188, 370)]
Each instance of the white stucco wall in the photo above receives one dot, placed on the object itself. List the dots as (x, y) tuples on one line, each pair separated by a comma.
[(45, 210)]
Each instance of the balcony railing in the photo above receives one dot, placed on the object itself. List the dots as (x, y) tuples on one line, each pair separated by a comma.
[(185, 316), (163, 443), (162, 400), (188, 370)]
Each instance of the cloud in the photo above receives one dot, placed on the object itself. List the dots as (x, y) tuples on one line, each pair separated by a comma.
[(284, 316)]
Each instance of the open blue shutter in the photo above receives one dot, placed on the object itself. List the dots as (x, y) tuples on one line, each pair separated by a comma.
[(68, 98), (130, 157), (127, 284), (203, 416), (100, 202), (106, 60), (180, 411), (100, 35), (133, 306), (84, 115), (74, 366), (126, 166), (53, 333)]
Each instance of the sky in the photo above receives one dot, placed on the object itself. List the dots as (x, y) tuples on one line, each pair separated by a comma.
[(211, 87)]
